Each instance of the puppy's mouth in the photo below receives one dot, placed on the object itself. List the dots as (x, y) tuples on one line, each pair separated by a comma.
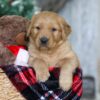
[(43, 46)]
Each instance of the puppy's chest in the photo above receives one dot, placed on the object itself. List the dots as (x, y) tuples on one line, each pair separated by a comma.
[(50, 59)]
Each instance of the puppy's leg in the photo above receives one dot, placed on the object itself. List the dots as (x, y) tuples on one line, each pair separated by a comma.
[(66, 74), (41, 69)]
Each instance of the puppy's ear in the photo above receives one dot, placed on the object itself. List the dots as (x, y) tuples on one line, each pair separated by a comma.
[(20, 39), (66, 29), (30, 27)]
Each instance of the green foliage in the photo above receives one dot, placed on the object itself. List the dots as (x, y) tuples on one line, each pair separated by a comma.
[(17, 7)]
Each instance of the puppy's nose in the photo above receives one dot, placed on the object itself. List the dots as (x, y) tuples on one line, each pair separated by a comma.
[(44, 40)]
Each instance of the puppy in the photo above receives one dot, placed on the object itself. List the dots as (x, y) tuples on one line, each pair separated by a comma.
[(48, 46)]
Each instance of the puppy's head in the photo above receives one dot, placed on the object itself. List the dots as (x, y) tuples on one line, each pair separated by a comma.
[(47, 30)]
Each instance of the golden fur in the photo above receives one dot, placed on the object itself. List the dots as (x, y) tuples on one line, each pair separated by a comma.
[(57, 52)]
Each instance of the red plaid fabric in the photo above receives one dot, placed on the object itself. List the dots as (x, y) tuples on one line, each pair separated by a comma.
[(23, 78)]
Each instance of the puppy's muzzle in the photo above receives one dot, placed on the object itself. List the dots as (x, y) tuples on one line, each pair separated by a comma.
[(43, 41)]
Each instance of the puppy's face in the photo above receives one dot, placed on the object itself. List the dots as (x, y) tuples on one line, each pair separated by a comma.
[(48, 30)]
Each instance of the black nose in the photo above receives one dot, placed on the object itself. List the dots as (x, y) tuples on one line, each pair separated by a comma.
[(44, 40)]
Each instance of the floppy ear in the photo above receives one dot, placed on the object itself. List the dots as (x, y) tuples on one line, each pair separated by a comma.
[(66, 29), (30, 26)]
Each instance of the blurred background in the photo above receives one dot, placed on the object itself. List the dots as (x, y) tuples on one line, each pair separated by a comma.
[(84, 17)]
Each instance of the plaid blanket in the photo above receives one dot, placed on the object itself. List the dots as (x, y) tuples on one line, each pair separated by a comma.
[(24, 79)]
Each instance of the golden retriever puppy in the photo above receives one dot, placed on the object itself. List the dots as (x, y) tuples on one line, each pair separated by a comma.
[(49, 46)]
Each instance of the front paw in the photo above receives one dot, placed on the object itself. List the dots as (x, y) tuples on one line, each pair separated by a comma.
[(65, 83), (42, 76)]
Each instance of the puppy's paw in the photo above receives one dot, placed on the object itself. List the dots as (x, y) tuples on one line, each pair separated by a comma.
[(65, 83), (42, 76), (41, 69)]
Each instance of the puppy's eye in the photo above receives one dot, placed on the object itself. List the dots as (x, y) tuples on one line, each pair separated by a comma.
[(37, 27), (53, 29)]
